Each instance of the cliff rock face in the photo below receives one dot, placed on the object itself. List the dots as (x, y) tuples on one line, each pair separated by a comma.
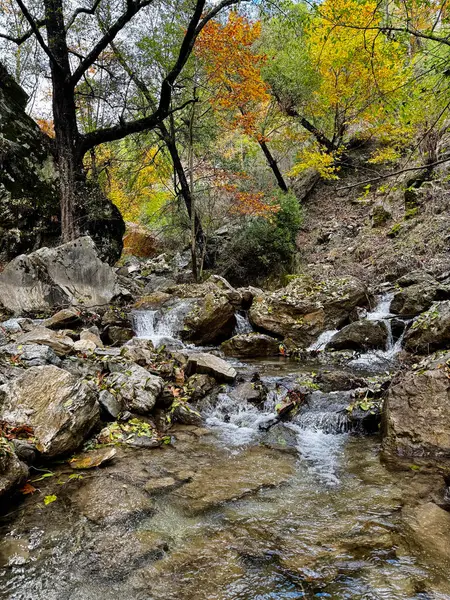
[(29, 206)]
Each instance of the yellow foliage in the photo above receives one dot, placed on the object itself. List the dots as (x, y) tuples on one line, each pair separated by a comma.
[(316, 158)]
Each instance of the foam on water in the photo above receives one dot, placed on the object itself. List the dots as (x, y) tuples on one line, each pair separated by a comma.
[(160, 326), (322, 340), (243, 325)]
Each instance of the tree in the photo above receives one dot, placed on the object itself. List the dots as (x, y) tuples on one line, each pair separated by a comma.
[(238, 91), (68, 67)]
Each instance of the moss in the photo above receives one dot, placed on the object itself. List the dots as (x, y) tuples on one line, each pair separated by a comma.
[(395, 230)]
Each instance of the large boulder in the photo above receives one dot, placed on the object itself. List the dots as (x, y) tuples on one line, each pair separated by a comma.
[(29, 355), (417, 292), (250, 345), (211, 320), (208, 364), (12, 470), (50, 277), (306, 308), (60, 409), (134, 388), (29, 202), (360, 335), (431, 330), (60, 343), (416, 416), (428, 528)]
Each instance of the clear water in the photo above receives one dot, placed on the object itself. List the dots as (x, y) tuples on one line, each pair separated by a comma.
[(305, 510)]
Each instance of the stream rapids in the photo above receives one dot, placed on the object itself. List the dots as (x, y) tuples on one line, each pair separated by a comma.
[(307, 509)]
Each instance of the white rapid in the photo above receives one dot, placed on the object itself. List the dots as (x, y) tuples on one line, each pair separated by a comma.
[(381, 358), (161, 327), (322, 340), (243, 325)]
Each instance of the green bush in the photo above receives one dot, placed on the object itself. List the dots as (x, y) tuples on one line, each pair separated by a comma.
[(264, 247)]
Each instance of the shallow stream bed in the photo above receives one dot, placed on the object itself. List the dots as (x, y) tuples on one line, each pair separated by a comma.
[(228, 512)]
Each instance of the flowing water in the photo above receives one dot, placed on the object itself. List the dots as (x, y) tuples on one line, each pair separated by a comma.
[(305, 509)]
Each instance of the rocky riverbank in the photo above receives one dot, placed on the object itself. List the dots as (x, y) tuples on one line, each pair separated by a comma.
[(102, 423)]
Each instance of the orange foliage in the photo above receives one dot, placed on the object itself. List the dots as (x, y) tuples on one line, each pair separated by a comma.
[(234, 70), (46, 125)]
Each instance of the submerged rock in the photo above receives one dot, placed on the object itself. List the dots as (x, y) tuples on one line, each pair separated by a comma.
[(360, 335), (428, 527), (249, 345), (306, 308), (416, 416), (60, 409), (106, 500), (431, 330), (68, 274)]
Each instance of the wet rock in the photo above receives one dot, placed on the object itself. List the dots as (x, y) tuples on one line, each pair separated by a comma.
[(60, 343), (416, 416), (135, 388), (398, 327), (234, 478), (139, 351), (104, 500), (208, 364), (160, 484), (249, 345), (29, 355), (428, 527), (67, 317), (430, 331), (13, 472), (360, 335), (254, 392), (200, 386), (109, 404), (115, 335), (418, 291), (306, 308), (184, 413), (330, 381), (14, 552), (212, 320), (25, 451), (69, 274), (93, 458), (60, 409), (116, 552)]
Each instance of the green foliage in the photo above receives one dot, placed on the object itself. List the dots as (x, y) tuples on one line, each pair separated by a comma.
[(266, 247)]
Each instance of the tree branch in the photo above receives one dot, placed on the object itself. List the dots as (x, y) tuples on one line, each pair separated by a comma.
[(374, 179), (79, 11), (133, 7), (35, 30), (25, 36)]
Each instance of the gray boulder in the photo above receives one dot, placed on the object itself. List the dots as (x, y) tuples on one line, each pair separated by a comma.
[(249, 345), (305, 308), (30, 355), (211, 320), (427, 527), (12, 471), (417, 292), (70, 274), (67, 317), (61, 409), (134, 387), (208, 364), (416, 416), (431, 330), (360, 335), (58, 342)]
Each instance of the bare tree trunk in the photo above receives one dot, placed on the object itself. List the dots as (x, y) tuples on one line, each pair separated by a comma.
[(69, 161), (274, 166), (191, 186)]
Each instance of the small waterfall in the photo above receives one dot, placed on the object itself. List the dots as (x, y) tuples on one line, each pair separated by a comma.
[(243, 325), (161, 326), (381, 358), (322, 340)]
